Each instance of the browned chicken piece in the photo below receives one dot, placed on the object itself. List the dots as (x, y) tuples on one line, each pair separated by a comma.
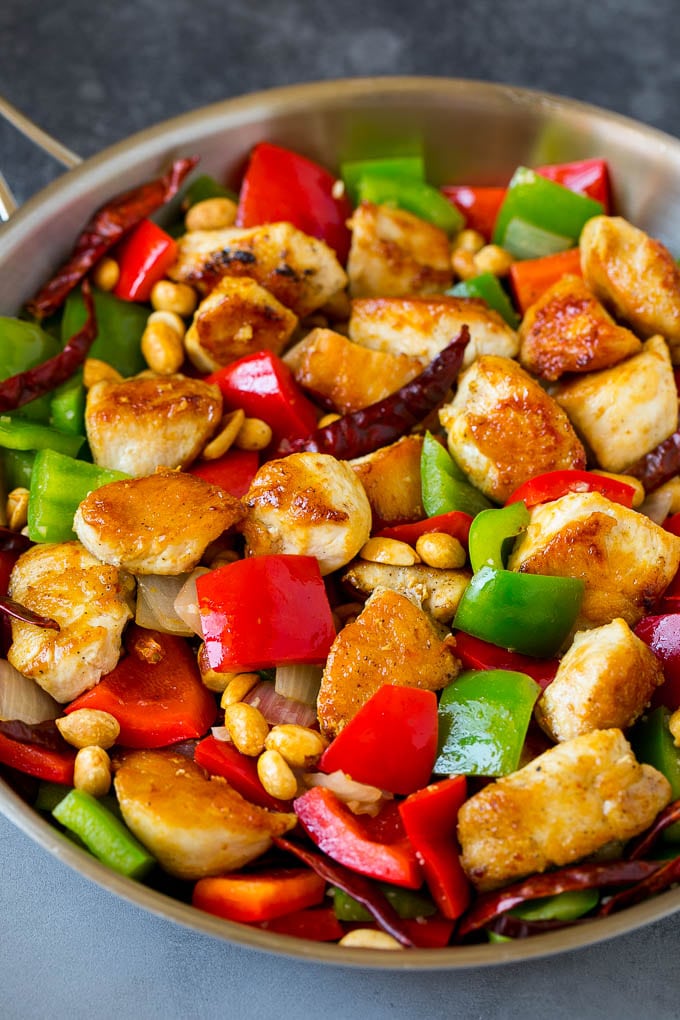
[(392, 641), (91, 603), (625, 411), (503, 428), (635, 276), (625, 560), (391, 478), (345, 376), (568, 330), (605, 680), (150, 421), (561, 807), (160, 524), (237, 318), (193, 825), (307, 504), (300, 271), (423, 326), (394, 253), (437, 591)]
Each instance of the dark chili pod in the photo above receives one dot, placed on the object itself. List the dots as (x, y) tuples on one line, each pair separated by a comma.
[(18, 612), (368, 894), (106, 228), (366, 430), (44, 734), (659, 465), (669, 816), (665, 875), (517, 928), (25, 386), (581, 876), (13, 541)]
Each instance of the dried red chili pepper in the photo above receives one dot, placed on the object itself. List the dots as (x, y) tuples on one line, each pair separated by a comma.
[(368, 894), (366, 430), (106, 228), (659, 465), (665, 875), (584, 876), (20, 389), (644, 844), (18, 612), (13, 541), (517, 928)]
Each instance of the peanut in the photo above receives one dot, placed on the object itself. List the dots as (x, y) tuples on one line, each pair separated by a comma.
[(389, 550), (463, 263), (211, 214), (368, 938), (493, 259), (328, 419), (276, 775), (239, 685), (95, 371), (106, 274), (468, 240), (298, 745), (180, 298), (231, 426), (87, 727), (92, 771), (440, 550), (162, 345), (17, 509), (254, 434), (247, 728)]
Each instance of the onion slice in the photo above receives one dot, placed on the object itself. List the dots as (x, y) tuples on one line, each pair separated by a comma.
[(301, 683), (360, 798), (277, 709), (156, 596), (22, 699), (186, 601)]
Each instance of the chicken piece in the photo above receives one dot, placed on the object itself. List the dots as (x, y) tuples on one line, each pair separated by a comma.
[(346, 376), (568, 330), (160, 524), (625, 560), (635, 276), (392, 641), (300, 271), (194, 825), (237, 318), (562, 806), (437, 591), (605, 680), (503, 428), (391, 478), (149, 421), (423, 326), (307, 504), (91, 603), (625, 411), (394, 253)]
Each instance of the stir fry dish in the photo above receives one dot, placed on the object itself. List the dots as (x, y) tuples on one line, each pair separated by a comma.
[(339, 569)]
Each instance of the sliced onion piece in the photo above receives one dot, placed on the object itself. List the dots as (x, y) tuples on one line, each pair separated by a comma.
[(657, 505), (156, 604), (360, 798), (301, 683), (277, 709), (22, 699), (186, 601), (221, 733)]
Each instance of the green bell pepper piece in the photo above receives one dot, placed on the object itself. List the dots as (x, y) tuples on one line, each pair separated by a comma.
[(103, 834), (444, 486), (489, 532), (566, 906), (394, 168), (67, 406), (488, 287), (406, 902), (653, 744), (23, 434), (24, 345), (58, 485), (414, 196), (540, 217), (204, 187), (17, 466), (495, 937), (120, 325), (527, 613), (483, 721)]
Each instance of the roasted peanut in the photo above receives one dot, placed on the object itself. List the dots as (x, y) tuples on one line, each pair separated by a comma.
[(95, 371), (674, 727), (239, 685), (231, 426), (180, 298), (440, 550), (368, 938), (247, 728), (211, 214), (468, 240), (298, 745), (493, 259), (254, 434), (92, 771), (106, 274), (276, 775), (162, 345), (87, 727), (389, 550), (463, 264), (328, 419), (17, 509)]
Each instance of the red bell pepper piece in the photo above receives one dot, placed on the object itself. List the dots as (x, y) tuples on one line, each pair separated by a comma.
[(587, 176), (390, 743), (529, 278), (319, 924), (355, 841), (479, 206), (554, 484), (155, 702), (43, 762), (282, 185), (7, 561), (144, 256), (429, 817), (260, 896), (672, 524), (220, 758), (263, 612), (264, 387), (455, 523), (662, 634), (233, 472), (475, 653)]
